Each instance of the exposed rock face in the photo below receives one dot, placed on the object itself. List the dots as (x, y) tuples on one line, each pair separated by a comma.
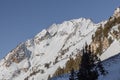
[(94, 46), (105, 43), (42, 36), (17, 55)]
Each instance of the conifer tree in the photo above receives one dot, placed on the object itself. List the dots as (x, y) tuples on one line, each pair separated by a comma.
[(101, 68), (72, 75), (49, 78), (89, 66)]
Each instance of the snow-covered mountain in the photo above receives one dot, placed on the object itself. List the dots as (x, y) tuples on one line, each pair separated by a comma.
[(39, 57)]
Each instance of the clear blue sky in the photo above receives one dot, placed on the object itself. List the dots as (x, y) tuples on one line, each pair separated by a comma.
[(23, 19)]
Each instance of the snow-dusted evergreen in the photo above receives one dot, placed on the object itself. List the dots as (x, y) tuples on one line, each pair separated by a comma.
[(39, 57)]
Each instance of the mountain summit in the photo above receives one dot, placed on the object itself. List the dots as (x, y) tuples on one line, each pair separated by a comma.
[(40, 57)]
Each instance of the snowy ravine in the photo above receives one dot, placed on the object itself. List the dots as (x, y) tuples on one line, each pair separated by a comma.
[(39, 57)]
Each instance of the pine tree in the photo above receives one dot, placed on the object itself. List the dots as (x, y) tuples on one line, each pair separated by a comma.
[(101, 68), (89, 65), (72, 76), (49, 77)]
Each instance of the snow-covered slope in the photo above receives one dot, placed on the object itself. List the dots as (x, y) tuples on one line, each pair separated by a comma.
[(111, 51)]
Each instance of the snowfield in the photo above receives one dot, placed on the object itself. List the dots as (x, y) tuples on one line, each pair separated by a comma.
[(114, 49)]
